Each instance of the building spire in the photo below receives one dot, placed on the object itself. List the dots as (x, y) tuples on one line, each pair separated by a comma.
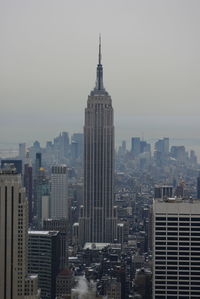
[(99, 88), (100, 48), (99, 80)]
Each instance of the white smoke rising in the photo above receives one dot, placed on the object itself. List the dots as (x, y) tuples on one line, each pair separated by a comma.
[(84, 289)]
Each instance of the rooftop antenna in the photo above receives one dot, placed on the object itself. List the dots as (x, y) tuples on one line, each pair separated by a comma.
[(99, 48)]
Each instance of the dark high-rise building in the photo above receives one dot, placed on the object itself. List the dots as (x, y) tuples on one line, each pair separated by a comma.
[(43, 259), (97, 222), (60, 225)]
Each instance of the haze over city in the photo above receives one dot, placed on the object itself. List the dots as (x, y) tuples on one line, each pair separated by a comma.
[(99, 149), (150, 53)]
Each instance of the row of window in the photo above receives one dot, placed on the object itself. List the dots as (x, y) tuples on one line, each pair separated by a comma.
[(178, 218), (178, 223), (177, 268), (174, 243), (175, 297), (169, 253), (164, 277), (171, 238), (175, 233), (196, 288), (177, 293), (184, 258), (170, 249), (178, 272), (158, 228), (166, 263)]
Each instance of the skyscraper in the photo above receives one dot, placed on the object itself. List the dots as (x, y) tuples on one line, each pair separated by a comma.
[(22, 152), (59, 192), (41, 189), (97, 223), (176, 245), (43, 259), (61, 226), (135, 145), (14, 280)]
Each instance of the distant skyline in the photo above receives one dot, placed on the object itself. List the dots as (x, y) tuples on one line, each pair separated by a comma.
[(150, 55)]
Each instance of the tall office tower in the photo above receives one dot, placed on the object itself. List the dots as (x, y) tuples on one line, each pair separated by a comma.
[(60, 225), (78, 138), (145, 147), (135, 146), (22, 151), (59, 192), (28, 184), (43, 259), (193, 158), (38, 162), (14, 280), (74, 150), (41, 192), (166, 145), (179, 153), (198, 186), (162, 145), (65, 144), (176, 248), (97, 222), (161, 152), (61, 145)]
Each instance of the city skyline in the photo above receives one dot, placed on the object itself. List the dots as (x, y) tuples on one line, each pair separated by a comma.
[(102, 197), (151, 59)]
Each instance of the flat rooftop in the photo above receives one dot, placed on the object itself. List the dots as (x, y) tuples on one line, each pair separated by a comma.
[(100, 246), (43, 232), (177, 200)]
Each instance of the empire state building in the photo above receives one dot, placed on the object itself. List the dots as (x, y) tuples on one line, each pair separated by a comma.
[(98, 215)]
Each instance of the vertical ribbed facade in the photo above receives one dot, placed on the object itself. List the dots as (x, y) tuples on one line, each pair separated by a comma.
[(97, 222), (13, 231), (14, 280)]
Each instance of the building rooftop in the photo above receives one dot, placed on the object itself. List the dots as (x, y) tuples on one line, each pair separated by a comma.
[(95, 246), (32, 276), (177, 200), (43, 232)]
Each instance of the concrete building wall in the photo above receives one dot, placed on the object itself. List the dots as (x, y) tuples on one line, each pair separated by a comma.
[(176, 248)]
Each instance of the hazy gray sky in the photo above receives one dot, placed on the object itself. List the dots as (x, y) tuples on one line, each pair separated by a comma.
[(48, 57)]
